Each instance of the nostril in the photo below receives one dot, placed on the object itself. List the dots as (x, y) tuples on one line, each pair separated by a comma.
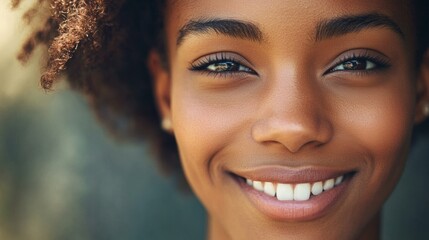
[(292, 135)]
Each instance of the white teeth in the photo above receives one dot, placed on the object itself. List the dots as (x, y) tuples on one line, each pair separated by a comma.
[(317, 188), (328, 184), (284, 192), (301, 192), (338, 180), (258, 185), (296, 192), (269, 189)]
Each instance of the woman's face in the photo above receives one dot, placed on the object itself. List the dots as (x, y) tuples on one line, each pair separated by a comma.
[(292, 118)]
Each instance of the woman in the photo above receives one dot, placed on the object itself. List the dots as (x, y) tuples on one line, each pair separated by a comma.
[(292, 119)]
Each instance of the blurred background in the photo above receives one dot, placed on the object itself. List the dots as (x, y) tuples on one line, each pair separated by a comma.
[(63, 177)]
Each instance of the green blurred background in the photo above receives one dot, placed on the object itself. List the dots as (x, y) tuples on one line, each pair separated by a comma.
[(63, 177)]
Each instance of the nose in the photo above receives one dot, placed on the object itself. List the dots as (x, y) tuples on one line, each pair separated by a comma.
[(294, 118)]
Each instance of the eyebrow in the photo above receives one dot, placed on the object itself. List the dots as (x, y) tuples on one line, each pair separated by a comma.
[(350, 24), (230, 27)]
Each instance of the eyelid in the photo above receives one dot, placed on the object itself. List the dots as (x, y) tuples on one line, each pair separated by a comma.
[(381, 60), (220, 56)]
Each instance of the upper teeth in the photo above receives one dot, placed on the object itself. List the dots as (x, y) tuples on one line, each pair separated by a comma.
[(297, 192)]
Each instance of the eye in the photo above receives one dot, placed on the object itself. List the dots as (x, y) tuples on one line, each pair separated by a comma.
[(227, 66), (360, 61), (358, 64), (222, 64)]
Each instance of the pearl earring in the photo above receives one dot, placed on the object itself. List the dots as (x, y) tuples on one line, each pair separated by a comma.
[(426, 109), (166, 124)]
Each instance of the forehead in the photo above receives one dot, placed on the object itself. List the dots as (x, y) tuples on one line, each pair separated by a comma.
[(276, 18), (241, 8)]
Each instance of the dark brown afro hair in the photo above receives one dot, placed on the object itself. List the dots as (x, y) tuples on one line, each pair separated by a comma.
[(102, 46)]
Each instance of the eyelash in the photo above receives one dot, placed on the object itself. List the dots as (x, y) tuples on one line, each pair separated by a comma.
[(379, 62), (202, 65)]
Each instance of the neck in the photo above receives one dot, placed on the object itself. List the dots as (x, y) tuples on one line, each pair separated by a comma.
[(372, 230), (215, 231)]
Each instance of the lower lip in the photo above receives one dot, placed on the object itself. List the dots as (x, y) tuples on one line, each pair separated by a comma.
[(315, 207)]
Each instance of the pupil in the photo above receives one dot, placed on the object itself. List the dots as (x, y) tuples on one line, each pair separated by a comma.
[(355, 65)]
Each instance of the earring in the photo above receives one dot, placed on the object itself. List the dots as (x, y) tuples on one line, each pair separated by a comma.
[(426, 109), (166, 124)]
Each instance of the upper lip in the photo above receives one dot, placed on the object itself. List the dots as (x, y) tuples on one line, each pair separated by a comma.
[(283, 174)]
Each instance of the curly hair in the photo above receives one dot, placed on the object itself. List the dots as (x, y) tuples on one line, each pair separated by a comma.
[(102, 46)]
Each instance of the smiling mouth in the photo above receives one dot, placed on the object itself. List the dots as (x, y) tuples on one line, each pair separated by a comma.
[(289, 194), (296, 191)]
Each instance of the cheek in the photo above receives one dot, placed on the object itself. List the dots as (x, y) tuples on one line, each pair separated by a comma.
[(381, 117), (381, 125), (202, 126), (386, 135)]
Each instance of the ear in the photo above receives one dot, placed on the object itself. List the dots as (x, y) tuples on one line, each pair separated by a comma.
[(162, 88), (422, 109)]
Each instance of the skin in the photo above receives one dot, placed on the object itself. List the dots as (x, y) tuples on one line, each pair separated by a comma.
[(290, 110)]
